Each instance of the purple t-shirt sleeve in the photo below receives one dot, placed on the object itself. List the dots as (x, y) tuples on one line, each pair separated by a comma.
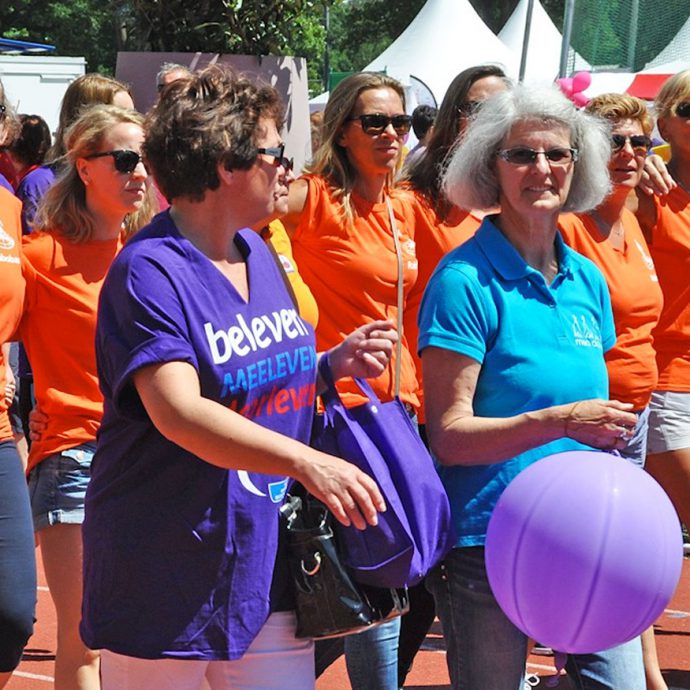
[(4, 183), (141, 322), (30, 191)]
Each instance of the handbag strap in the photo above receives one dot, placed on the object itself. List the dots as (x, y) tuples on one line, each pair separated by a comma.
[(399, 324), (331, 397)]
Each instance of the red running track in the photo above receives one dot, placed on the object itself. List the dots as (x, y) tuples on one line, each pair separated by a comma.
[(429, 671)]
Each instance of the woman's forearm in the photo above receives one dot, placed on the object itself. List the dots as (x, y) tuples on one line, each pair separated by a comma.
[(470, 440)]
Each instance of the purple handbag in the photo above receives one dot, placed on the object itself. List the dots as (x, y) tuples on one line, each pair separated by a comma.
[(416, 531)]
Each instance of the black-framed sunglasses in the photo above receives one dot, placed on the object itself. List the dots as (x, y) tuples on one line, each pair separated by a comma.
[(374, 124), (523, 155), (640, 143), (125, 160), (278, 156), (3, 111), (470, 108), (683, 110)]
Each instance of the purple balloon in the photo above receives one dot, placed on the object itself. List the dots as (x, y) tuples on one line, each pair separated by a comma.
[(583, 551)]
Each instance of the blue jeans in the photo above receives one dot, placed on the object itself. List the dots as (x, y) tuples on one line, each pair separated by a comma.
[(17, 560), (487, 652), (372, 657)]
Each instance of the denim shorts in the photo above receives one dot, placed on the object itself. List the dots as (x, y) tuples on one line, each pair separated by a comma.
[(669, 422), (636, 450), (57, 487)]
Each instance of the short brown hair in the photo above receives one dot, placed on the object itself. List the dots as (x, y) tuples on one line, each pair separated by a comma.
[(33, 142), (205, 119), (621, 106)]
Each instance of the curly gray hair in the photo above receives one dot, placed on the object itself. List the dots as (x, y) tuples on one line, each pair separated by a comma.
[(470, 181)]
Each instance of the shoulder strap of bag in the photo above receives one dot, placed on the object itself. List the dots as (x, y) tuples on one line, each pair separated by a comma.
[(399, 324)]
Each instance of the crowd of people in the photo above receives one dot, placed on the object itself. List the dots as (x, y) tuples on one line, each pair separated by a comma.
[(517, 283)]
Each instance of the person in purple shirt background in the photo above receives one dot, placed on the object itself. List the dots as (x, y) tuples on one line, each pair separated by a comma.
[(209, 379), (27, 153)]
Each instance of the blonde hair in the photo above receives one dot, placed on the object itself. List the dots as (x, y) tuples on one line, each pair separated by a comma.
[(63, 209), (85, 91), (674, 90), (330, 159), (9, 122), (621, 106)]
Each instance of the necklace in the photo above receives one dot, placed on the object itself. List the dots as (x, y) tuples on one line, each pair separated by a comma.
[(612, 231)]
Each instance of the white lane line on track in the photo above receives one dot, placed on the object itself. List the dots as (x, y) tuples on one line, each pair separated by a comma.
[(34, 676), (677, 614)]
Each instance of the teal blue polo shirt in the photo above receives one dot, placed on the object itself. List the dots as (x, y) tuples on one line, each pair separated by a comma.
[(539, 345)]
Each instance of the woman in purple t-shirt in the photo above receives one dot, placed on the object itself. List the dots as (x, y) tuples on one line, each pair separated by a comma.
[(209, 378)]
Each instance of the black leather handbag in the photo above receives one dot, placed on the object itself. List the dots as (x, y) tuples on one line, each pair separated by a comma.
[(329, 603)]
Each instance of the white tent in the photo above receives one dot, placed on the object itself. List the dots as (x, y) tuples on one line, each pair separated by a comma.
[(676, 52), (544, 48), (446, 37)]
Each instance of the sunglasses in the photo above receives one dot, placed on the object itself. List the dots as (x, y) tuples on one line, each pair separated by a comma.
[(374, 124), (683, 110), (522, 155), (125, 160), (278, 156), (470, 108), (639, 142)]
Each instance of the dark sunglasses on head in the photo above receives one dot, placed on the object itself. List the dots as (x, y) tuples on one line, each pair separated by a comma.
[(523, 155), (125, 160), (683, 110), (278, 157), (375, 123), (639, 142)]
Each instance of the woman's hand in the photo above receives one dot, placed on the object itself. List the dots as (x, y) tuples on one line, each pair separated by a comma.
[(351, 495), (656, 178), (365, 353), (38, 421), (605, 424)]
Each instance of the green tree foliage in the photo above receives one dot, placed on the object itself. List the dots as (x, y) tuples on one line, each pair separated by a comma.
[(359, 29), (253, 27), (85, 28)]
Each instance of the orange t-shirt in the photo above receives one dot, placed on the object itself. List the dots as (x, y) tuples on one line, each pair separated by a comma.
[(353, 273), (276, 234), (63, 282), (670, 249), (636, 301), (11, 287), (434, 239)]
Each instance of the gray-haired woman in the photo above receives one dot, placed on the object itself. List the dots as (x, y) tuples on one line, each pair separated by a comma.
[(513, 330)]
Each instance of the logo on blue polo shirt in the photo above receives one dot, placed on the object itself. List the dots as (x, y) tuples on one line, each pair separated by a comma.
[(586, 331)]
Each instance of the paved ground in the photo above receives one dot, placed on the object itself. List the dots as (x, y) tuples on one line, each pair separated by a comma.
[(429, 671)]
